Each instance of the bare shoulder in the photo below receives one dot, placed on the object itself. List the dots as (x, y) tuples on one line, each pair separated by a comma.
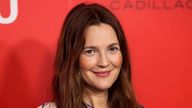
[(47, 105)]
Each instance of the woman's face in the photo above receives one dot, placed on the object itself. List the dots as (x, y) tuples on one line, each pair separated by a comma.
[(100, 61)]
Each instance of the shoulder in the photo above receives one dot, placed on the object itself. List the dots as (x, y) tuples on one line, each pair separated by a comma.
[(47, 105)]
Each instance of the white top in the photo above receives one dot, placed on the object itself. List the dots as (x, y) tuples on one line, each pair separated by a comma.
[(48, 105)]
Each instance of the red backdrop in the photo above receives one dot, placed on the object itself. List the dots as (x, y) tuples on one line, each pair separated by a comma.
[(159, 34)]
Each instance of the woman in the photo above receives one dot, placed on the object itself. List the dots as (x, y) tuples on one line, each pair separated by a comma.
[(92, 66)]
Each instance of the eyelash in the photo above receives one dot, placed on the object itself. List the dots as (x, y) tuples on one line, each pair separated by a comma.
[(114, 49), (89, 52)]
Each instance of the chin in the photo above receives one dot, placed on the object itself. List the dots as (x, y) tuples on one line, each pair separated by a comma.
[(103, 87)]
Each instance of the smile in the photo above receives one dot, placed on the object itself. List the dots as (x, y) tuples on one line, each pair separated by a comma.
[(102, 74)]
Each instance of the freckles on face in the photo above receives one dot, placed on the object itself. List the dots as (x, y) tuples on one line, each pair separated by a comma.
[(100, 61)]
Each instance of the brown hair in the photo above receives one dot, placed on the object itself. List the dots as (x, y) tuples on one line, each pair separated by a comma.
[(68, 84)]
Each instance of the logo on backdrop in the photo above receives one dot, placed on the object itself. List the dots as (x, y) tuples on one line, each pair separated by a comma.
[(13, 13), (151, 5), (117, 5)]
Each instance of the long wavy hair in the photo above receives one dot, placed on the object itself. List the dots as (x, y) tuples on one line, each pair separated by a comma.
[(68, 86)]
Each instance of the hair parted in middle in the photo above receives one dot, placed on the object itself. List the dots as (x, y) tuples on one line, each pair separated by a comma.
[(68, 85)]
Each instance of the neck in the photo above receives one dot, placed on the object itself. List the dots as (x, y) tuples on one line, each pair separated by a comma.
[(96, 98)]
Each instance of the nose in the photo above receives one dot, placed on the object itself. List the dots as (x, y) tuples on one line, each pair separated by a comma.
[(103, 60)]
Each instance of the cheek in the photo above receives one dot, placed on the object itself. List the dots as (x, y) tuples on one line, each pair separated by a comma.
[(86, 63), (117, 59)]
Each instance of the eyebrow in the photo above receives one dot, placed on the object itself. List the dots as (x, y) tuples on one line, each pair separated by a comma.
[(94, 47), (113, 44)]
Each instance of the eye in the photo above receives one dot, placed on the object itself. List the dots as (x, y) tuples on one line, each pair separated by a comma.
[(113, 49), (89, 52)]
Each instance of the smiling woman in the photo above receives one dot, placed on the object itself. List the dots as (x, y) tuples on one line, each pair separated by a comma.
[(101, 60), (92, 66)]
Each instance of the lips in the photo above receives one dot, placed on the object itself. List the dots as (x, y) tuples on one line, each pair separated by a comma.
[(102, 73)]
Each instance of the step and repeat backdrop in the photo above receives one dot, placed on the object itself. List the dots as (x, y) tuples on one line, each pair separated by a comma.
[(159, 34)]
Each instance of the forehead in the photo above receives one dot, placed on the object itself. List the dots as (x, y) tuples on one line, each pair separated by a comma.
[(100, 34)]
